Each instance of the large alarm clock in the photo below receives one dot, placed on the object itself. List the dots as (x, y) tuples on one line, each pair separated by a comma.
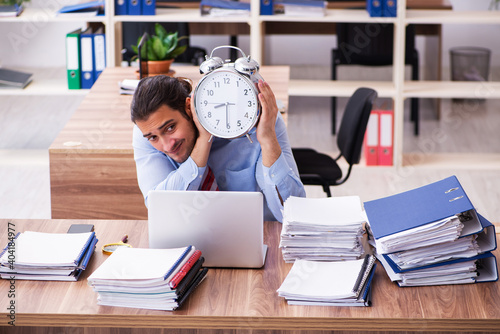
[(226, 98)]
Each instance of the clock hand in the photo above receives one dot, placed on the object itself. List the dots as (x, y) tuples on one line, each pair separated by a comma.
[(219, 105), (227, 115)]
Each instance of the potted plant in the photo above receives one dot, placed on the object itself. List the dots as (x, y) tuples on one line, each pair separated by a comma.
[(161, 49)]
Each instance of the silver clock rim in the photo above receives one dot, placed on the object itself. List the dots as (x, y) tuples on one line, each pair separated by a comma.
[(251, 84)]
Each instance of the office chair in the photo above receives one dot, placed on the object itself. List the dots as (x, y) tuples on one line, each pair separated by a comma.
[(320, 169), (132, 30), (371, 44)]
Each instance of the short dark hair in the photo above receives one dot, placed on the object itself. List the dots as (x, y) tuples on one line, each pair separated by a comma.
[(154, 92)]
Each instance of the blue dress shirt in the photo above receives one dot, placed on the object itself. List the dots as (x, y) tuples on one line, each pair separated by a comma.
[(236, 164)]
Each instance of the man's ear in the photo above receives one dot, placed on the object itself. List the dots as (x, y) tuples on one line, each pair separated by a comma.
[(189, 111)]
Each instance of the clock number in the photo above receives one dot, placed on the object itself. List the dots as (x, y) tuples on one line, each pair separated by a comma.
[(239, 123), (209, 114), (228, 126), (246, 115), (249, 103), (245, 92), (227, 81), (210, 92), (218, 121), (205, 103), (217, 84)]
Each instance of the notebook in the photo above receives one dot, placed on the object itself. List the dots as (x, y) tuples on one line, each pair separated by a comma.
[(226, 226)]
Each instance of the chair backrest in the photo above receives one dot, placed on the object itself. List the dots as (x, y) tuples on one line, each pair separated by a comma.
[(370, 43), (354, 122)]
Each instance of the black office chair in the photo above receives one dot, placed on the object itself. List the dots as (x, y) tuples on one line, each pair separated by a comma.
[(371, 44), (320, 169), (132, 30)]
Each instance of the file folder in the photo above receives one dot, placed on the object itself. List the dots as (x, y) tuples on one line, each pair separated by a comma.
[(73, 59), (421, 206), (486, 241), (386, 137), (121, 7), (371, 139), (266, 7), (134, 7), (374, 7), (389, 8), (87, 58), (99, 52), (148, 7)]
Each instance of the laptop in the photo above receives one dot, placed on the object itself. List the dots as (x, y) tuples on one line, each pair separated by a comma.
[(227, 226)]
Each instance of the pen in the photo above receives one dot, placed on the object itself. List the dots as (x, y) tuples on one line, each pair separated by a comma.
[(184, 269)]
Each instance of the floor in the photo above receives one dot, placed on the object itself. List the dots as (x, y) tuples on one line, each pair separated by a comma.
[(30, 124)]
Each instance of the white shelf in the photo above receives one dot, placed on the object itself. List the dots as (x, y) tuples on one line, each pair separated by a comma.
[(180, 15), (45, 82), (46, 15), (452, 89), (326, 88), (450, 16), (475, 161), (332, 15)]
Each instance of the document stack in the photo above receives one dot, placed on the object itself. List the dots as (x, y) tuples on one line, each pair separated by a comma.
[(432, 235), (345, 283), (322, 229), (224, 8), (47, 256), (158, 279)]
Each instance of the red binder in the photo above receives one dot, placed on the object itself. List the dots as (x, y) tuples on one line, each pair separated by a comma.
[(386, 137), (371, 139)]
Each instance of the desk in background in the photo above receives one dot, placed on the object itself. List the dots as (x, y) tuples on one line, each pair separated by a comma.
[(240, 300), (92, 170)]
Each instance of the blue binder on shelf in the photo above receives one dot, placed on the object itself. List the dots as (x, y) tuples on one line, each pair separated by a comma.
[(121, 7), (99, 52), (374, 7), (134, 7), (389, 8), (87, 58), (421, 206), (148, 7), (266, 7), (486, 240)]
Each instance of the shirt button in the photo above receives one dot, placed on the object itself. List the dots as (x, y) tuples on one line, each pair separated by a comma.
[(272, 175)]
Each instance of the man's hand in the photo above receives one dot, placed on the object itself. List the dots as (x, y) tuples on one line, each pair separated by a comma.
[(201, 149), (266, 132)]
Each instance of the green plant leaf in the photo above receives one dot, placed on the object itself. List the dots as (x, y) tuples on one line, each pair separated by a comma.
[(180, 50), (159, 48), (160, 31)]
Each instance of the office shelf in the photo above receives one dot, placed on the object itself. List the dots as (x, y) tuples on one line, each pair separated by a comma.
[(398, 88), (45, 82)]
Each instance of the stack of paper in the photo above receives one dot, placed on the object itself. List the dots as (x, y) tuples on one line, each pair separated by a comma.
[(128, 86), (432, 235), (300, 7), (345, 283), (47, 256), (159, 279), (327, 229), (224, 8)]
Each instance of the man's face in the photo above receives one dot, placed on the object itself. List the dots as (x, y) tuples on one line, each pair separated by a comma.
[(170, 132)]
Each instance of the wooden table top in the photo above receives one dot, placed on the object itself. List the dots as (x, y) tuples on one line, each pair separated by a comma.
[(102, 124), (245, 298)]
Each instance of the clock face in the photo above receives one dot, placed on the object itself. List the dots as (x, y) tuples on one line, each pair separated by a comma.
[(226, 103)]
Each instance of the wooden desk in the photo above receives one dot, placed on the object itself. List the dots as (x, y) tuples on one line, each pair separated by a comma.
[(242, 300), (96, 179)]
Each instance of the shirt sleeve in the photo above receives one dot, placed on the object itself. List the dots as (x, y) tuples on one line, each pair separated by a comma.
[(156, 171), (281, 180)]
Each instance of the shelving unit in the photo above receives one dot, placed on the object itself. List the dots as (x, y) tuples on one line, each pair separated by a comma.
[(398, 89)]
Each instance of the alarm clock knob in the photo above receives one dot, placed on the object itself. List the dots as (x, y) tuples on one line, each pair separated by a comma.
[(211, 64), (246, 65)]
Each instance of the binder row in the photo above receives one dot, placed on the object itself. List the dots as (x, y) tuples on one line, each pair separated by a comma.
[(382, 8), (267, 7), (379, 138), (85, 57), (432, 235), (135, 7)]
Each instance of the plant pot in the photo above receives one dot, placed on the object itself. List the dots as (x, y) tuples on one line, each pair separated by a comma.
[(156, 67)]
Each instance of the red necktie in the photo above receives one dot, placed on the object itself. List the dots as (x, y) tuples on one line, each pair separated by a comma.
[(208, 183)]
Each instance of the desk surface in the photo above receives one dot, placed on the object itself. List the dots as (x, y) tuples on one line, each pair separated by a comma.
[(101, 124), (246, 299)]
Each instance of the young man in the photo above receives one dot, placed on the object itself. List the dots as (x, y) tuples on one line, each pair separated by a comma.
[(172, 150)]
